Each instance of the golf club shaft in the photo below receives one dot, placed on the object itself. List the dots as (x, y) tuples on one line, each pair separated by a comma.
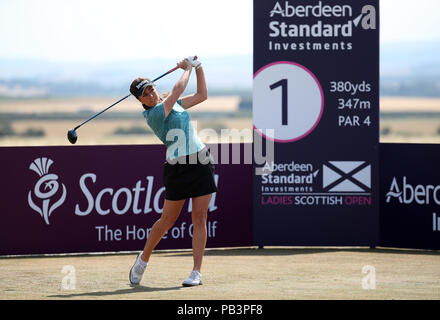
[(102, 111), (168, 72)]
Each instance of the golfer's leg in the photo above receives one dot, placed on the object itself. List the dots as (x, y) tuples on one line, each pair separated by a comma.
[(170, 213), (199, 215)]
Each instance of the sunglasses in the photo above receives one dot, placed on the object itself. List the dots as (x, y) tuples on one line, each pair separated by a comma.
[(148, 90)]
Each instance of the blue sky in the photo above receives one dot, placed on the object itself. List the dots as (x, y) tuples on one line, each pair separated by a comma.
[(105, 30)]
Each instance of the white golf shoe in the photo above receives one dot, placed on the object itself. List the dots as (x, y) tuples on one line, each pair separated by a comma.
[(137, 271), (194, 279)]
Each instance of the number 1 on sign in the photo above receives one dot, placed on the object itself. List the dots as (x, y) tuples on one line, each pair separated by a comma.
[(283, 84)]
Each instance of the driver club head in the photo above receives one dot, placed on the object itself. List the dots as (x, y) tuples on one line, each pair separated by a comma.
[(72, 136)]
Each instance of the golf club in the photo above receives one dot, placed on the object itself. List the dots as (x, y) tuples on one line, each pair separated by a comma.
[(72, 135)]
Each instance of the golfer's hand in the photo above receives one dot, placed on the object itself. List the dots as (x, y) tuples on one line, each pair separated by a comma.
[(193, 61), (184, 64)]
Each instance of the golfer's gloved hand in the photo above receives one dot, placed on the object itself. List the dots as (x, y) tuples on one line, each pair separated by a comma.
[(194, 62)]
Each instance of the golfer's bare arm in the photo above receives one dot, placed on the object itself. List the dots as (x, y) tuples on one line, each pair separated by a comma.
[(178, 88), (201, 94)]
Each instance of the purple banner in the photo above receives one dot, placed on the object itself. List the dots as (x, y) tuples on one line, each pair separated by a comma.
[(106, 198), (410, 195)]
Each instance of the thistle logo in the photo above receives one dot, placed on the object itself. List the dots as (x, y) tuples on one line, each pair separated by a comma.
[(48, 181)]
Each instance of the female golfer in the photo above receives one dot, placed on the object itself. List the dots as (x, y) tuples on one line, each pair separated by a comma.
[(188, 171)]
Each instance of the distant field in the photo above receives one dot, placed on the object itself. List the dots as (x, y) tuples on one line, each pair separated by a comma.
[(409, 104), (101, 131), (424, 130), (410, 120), (213, 104), (420, 122)]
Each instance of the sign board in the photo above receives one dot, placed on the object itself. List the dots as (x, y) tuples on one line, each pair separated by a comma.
[(316, 98)]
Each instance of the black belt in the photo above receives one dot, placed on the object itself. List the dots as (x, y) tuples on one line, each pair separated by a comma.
[(202, 157)]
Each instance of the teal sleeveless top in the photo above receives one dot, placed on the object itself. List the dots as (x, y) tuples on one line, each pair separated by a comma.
[(175, 131)]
